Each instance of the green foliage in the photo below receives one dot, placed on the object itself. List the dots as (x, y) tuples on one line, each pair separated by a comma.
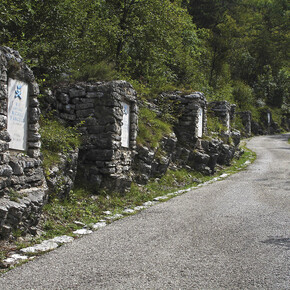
[(243, 95), (14, 195), (151, 128), (101, 71), (230, 50), (214, 124), (238, 124), (58, 138)]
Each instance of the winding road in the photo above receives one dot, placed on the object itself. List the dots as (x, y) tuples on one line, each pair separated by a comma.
[(231, 234)]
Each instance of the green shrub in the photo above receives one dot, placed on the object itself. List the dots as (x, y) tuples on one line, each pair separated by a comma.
[(214, 124), (58, 138), (101, 71), (151, 128)]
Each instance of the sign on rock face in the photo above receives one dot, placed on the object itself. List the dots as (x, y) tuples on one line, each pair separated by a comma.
[(228, 122), (125, 135), (200, 123), (17, 114), (269, 118)]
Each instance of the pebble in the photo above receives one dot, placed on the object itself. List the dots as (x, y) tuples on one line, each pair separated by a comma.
[(128, 210), (15, 258), (137, 208), (43, 247), (62, 239), (160, 198), (79, 223), (224, 175), (82, 232), (99, 225)]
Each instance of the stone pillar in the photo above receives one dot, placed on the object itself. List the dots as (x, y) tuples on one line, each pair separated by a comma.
[(22, 183), (108, 114), (246, 118), (224, 111), (191, 110)]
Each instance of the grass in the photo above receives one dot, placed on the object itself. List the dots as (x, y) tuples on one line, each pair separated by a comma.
[(151, 128)]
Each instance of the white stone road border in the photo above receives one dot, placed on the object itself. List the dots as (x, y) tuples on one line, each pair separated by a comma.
[(51, 244)]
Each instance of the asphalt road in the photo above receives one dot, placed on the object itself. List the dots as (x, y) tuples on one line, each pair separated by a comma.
[(232, 234)]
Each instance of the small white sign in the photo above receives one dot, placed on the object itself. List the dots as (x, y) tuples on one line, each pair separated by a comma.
[(228, 122), (200, 123), (269, 118), (17, 114), (125, 135)]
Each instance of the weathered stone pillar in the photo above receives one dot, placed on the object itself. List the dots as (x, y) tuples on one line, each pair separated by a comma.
[(22, 183), (191, 110), (224, 111), (246, 118), (108, 114)]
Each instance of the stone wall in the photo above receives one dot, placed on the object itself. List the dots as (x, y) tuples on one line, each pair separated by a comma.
[(246, 118), (224, 111), (107, 115), (186, 147), (191, 112), (22, 183)]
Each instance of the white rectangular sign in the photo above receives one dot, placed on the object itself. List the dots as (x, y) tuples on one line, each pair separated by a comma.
[(17, 114), (228, 122), (269, 118), (125, 135), (200, 123)]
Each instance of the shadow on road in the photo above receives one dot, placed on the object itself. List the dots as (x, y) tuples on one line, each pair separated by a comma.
[(278, 241)]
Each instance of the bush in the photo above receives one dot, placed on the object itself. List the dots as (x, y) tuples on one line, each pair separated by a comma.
[(151, 129), (58, 138)]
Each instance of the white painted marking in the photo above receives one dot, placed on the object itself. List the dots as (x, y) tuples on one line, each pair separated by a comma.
[(125, 135)]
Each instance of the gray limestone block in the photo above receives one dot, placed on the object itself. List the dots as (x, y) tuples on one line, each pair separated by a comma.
[(84, 106), (93, 95), (34, 114), (95, 130), (77, 92), (85, 113), (109, 170), (3, 212), (3, 122), (4, 157), (5, 170), (4, 182), (5, 231), (33, 137), (99, 155), (34, 144), (3, 74), (34, 152), (90, 121), (3, 91), (18, 180), (33, 127), (16, 167), (33, 102), (34, 89), (5, 136), (63, 98), (3, 108), (68, 117)]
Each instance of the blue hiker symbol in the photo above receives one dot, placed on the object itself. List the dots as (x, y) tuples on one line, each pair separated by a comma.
[(125, 108), (18, 92)]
